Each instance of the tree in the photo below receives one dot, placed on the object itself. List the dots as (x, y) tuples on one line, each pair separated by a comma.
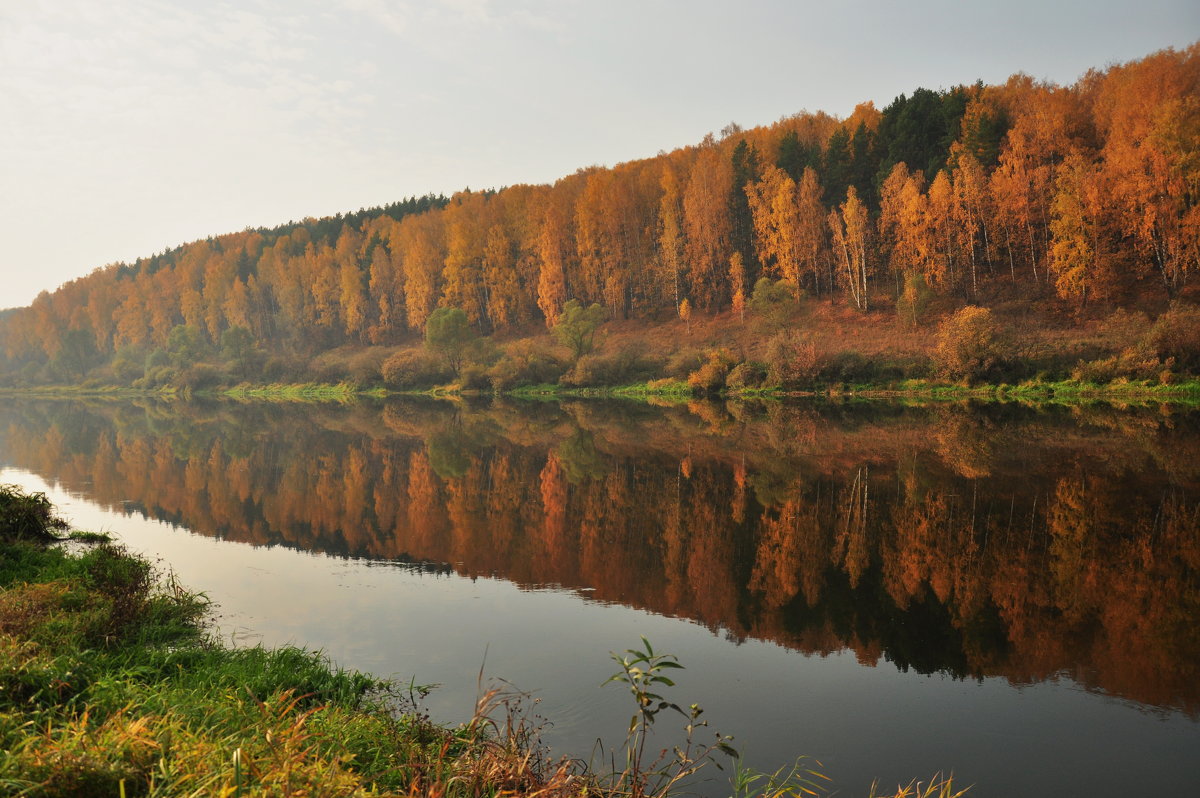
[(737, 283), (1078, 259), (576, 326), (903, 221), (775, 216), (185, 345), (422, 251), (553, 247), (850, 233), (500, 280), (969, 343), (77, 354), (708, 227), (237, 344), (448, 332), (671, 239)]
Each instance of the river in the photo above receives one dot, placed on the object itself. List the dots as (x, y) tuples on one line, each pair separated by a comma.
[(1006, 593)]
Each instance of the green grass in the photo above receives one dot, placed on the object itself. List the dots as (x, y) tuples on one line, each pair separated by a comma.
[(110, 685), (301, 392)]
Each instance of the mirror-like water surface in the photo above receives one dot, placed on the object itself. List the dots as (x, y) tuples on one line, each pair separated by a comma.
[(1009, 594)]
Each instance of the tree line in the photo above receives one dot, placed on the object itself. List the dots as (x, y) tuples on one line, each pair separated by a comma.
[(979, 193)]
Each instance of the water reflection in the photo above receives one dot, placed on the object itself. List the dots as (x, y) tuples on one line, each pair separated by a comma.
[(969, 541)]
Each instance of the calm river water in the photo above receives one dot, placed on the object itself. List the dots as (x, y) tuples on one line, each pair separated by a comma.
[(1008, 594)]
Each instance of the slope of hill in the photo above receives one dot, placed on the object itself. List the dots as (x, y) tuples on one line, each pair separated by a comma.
[(1051, 207)]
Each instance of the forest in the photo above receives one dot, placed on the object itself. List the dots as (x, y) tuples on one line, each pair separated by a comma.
[(993, 232)]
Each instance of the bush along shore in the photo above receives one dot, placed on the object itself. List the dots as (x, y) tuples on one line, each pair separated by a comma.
[(778, 352), (110, 686)]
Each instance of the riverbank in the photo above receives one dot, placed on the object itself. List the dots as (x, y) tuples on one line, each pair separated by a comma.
[(110, 685), (1121, 391)]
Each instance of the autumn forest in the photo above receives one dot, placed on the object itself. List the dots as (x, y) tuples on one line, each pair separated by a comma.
[(1066, 219)]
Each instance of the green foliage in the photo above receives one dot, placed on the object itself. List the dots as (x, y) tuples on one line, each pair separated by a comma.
[(580, 460), (128, 364), (185, 345), (919, 129), (76, 355), (913, 300), (448, 332), (644, 674), (773, 302), (199, 377), (236, 343), (786, 782), (27, 516), (576, 327)]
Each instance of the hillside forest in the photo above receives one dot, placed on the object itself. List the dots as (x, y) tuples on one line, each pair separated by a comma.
[(992, 232)]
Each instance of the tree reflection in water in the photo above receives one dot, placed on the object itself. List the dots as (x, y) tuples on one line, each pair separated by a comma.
[(969, 540)]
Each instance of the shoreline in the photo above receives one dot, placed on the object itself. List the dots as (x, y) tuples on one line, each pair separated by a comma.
[(1185, 392), (111, 683)]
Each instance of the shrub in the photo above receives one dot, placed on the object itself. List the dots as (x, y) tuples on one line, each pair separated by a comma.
[(854, 367), (710, 377), (282, 369), (791, 358), (1134, 362), (913, 300), (682, 363), (473, 377), (1176, 334), (156, 377), (625, 367), (746, 375), (970, 344), (1126, 325), (128, 364), (200, 376), (415, 369), (525, 364), (365, 368), (773, 301)]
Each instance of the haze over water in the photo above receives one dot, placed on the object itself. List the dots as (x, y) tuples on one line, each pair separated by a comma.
[(1006, 593)]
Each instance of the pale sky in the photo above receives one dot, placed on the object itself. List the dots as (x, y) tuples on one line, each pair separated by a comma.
[(131, 126)]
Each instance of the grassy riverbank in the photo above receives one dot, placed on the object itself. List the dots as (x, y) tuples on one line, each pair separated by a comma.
[(110, 685), (1121, 391)]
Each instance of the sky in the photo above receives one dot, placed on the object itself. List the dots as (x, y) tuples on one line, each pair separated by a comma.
[(131, 126)]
